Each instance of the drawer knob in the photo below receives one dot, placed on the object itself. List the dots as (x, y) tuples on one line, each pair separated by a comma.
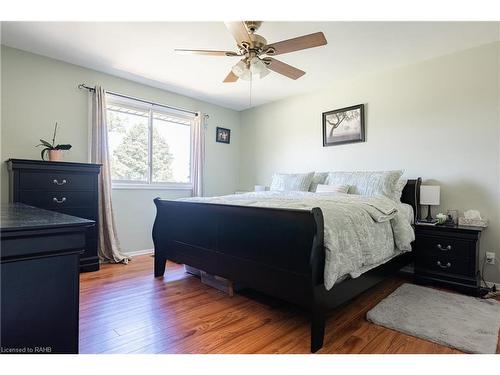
[(440, 247), (59, 183), (59, 201), (447, 265)]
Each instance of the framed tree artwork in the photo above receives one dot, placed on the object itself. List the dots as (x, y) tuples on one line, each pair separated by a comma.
[(223, 135), (344, 125)]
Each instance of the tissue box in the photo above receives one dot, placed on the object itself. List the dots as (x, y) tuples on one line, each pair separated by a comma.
[(473, 222)]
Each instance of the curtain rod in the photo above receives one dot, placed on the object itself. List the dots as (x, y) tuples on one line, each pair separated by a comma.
[(83, 86)]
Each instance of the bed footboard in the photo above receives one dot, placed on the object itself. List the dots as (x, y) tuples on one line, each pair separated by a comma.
[(276, 251), (279, 252)]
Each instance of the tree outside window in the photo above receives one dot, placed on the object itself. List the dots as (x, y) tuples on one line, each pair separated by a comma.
[(134, 159)]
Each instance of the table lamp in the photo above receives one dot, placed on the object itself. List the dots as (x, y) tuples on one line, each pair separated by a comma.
[(429, 195)]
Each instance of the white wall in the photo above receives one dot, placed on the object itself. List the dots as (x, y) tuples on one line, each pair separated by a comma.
[(38, 91), (438, 119)]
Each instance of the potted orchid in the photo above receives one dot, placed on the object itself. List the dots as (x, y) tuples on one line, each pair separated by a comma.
[(55, 151)]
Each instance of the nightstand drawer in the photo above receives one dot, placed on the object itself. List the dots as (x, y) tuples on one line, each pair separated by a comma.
[(448, 246), (446, 264)]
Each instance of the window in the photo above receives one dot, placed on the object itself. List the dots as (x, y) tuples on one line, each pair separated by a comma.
[(149, 145)]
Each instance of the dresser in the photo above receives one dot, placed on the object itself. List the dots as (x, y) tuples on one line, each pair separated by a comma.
[(448, 256), (65, 187), (39, 279)]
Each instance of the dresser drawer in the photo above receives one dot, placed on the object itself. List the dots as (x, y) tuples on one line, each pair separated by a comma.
[(53, 200), (74, 187), (56, 181), (451, 247)]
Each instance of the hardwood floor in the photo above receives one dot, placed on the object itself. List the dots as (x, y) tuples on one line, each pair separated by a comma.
[(124, 309)]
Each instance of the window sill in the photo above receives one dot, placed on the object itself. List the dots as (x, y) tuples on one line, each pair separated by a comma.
[(125, 186)]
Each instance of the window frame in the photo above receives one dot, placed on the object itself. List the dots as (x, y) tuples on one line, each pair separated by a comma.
[(151, 109)]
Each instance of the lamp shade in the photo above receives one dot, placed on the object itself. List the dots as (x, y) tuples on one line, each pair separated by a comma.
[(429, 195)]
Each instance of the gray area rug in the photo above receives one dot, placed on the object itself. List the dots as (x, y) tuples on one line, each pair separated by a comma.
[(455, 320)]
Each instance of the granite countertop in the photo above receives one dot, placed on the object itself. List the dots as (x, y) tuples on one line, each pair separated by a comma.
[(18, 216)]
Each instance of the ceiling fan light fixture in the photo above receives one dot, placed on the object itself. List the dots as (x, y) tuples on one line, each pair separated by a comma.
[(246, 76), (241, 70), (257, 55), (258, 68)]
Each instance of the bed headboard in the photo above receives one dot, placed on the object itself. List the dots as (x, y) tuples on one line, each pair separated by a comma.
[(411, 195)]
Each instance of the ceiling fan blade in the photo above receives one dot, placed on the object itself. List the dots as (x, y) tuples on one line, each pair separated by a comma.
[(231, 77), (296, 44), (206, 52), (239, 31), (282, 68)]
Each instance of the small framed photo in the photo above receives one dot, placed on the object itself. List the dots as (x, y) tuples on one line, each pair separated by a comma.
[(344, 125), (223, 135)]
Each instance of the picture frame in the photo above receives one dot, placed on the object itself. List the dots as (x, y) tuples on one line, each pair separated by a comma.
[(344, 125), (223, 135)]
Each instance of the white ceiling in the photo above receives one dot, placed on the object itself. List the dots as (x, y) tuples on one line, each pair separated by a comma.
[(143, 52)]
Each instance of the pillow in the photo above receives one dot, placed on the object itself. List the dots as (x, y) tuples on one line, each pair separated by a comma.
[(318, 178), (398, 190), (332, 188), (291, 181), (367, 183)]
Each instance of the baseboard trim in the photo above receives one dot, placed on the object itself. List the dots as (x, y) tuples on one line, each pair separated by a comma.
[(139, 252), (491, 283)]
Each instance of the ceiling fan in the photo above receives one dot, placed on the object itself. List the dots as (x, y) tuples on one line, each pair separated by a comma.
[(256, 53)]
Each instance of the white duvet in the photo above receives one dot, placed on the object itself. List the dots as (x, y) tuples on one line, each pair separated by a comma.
[(360, 232)]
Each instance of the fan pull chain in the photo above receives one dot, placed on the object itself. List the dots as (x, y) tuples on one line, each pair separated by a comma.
[(250, 96)]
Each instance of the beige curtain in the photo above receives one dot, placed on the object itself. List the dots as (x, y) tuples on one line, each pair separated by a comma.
[(198, 153), (109, 246)]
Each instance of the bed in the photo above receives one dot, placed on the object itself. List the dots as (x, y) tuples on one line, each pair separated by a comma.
[(278, 251)]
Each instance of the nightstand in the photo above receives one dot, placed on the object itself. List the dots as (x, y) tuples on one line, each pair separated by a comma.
[(448, 256)]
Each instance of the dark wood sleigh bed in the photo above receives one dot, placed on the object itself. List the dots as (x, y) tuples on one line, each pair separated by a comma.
[(279, 252)]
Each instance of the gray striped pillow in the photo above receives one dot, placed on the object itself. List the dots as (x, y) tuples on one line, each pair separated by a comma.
[(291, 181), (367, 183), (318, 178)]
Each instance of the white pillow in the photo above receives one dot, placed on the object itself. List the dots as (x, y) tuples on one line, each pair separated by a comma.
[(332, 188), (291, 181), (367, 183)]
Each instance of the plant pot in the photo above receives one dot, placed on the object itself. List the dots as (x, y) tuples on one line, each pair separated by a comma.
[(55, 155)]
